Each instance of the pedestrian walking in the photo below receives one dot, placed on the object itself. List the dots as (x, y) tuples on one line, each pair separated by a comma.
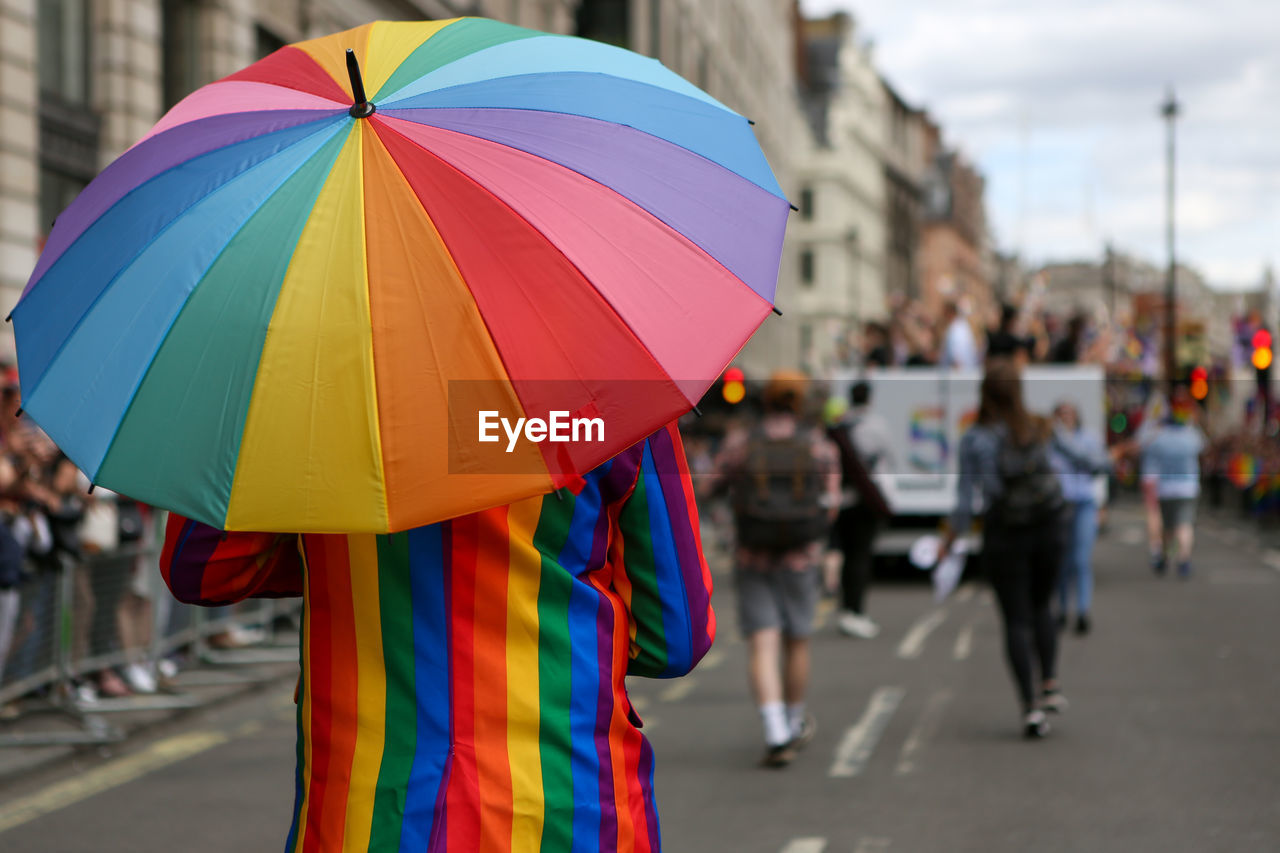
[(1171, 470), (1078, 457), (784, 485), (463, 683), (866, 449), (1005, 467)]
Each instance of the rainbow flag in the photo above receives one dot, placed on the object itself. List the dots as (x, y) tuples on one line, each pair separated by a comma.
[(463, 683)]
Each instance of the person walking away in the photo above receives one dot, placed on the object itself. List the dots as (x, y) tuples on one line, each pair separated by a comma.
[(1005, 342), (864, 442), (1171, 469), (1004, 463), (463, 682), (784, 486), (1078, 457), (959, 348)]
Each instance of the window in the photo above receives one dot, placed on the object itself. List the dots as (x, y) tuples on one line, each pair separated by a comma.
[(62, 28), (267, 41), (807, 265), (655, 29), (180, 40), (806, 203), (57, 190), (606, 21)]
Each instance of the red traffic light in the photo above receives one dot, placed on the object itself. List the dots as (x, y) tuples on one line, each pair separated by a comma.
[(733, 374), (1199, 374), (1262, 339)]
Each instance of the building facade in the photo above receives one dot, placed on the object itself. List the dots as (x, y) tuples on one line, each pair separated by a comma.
[(840, 234)]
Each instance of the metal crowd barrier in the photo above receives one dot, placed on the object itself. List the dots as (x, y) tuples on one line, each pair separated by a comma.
[(95, 619)]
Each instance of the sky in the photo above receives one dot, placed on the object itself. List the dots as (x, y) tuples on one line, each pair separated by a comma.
[(1058, 104)]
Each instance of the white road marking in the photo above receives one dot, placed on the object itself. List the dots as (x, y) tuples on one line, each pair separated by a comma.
[(964, 643), (1271, 558), (868, 844), (680, 689), (964, 593), (913, 643), (805, 845), (107, 776), (860, 740), (924, 729)]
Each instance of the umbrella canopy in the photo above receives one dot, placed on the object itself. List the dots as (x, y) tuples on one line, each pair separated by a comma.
[(283, 308)]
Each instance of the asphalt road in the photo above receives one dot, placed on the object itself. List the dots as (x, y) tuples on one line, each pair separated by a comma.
[(1172, 741)]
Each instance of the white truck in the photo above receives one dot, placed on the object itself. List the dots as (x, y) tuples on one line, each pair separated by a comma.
[(929, 408)]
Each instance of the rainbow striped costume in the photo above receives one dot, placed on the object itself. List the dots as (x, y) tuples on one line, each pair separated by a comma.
[(462, 683)]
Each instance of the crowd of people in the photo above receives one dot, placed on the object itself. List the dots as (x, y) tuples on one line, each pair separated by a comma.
[(961, 337), (803, 493), (50, 522)]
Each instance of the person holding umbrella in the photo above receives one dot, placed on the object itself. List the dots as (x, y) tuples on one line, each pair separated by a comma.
[(463, 683)]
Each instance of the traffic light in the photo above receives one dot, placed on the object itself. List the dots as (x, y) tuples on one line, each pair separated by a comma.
[(1200, 383), (734, 387), (1262, 349), (1262, 363)]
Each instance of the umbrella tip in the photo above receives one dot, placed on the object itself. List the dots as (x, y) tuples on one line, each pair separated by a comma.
[(361, 108), (697, 411), (793, 207), (18, 413), (92, 486), (776, 311), (751, 122)]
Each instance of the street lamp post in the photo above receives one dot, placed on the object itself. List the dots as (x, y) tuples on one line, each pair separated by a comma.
[(1169, 110)]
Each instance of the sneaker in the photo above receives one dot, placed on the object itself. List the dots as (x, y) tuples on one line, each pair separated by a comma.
[(1083, 624), (802, 738), (139, 679), (1035, 725), (167, 668), (1158, 564), (86, 694), (1053, 701), (855, 625), (778, 756), (1184, 570)]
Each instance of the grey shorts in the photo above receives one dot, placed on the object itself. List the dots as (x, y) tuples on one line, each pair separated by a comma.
[(1176, 512), (778, 598)]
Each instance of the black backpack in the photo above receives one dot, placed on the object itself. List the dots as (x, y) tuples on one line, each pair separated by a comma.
[(777, 494), (1030, 490)]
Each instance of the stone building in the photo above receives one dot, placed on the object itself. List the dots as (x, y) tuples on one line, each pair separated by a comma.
[(840, 232), (953, 256)]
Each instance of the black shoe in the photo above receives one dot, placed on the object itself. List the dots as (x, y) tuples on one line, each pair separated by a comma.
[(1061, 621), (1035, 725), (1053, 702), (1083, 624), (1158, 565), (778, 756)]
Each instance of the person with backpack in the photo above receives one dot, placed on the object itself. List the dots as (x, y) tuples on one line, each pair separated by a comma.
[(1005, 468), (783, 482), (866, 448)]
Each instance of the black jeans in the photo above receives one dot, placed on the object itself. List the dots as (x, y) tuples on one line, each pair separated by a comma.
[(856, 528), (1022, 564)]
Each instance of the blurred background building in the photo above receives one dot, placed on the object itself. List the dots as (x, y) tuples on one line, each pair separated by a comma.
[(891, 217)]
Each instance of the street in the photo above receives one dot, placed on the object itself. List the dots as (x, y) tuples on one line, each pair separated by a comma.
[(1170, 743)]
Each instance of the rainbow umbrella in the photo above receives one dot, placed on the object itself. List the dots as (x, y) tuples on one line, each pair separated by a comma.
[(286, 306)]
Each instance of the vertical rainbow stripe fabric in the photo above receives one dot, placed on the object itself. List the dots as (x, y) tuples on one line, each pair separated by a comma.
[(463, 682), (254, 315)]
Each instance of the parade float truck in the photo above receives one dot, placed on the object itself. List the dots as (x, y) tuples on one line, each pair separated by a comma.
[(928, 409)]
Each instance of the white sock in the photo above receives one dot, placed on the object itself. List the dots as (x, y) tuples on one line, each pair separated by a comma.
[(795, 718), (776, 731)]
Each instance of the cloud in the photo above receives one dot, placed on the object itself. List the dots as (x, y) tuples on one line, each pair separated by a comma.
[(1058, 104)]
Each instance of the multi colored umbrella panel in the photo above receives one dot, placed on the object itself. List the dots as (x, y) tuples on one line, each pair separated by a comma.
[(256, 315)]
